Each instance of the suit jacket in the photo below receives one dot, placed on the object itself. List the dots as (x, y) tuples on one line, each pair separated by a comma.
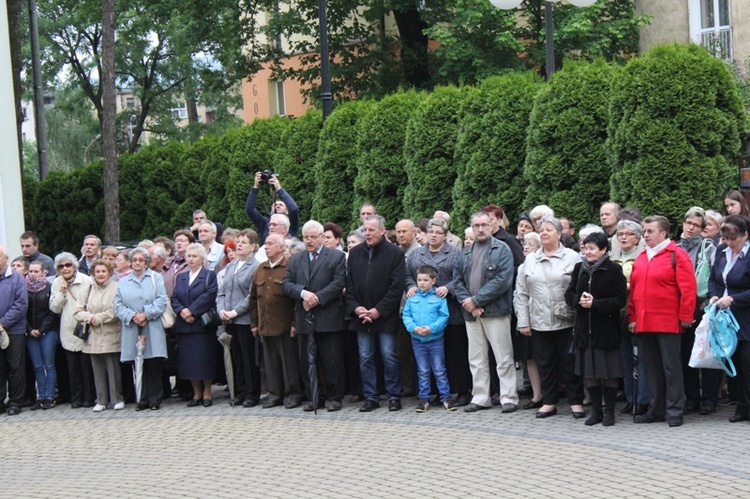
[(326, 278), (376, 282), (198, 298), (235, 290), (737, 285)]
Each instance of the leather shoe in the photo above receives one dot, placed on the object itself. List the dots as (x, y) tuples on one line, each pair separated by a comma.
[(369, 406), (271, 403), (542, 415), (249, 403), (194, 402), (141, 407), (472, 407), (508, 408), (208, 402), (76, 405), (533, 405), (578, 415), (674, 421), (309, 407), (463, 399), (394, 405), (333, 405), (525, 391), (14, 410), (707, 408), (737, 418), (648, 418), (292, 403), (641, 409), (628, 409)]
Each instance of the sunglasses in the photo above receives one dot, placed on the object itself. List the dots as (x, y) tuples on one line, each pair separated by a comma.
[(65, 265)]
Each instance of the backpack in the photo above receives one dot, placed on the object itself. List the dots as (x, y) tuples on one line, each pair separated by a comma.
[(703, 270), (723, 336)]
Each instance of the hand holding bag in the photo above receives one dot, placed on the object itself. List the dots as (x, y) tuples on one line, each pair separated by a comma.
[(702, 356)]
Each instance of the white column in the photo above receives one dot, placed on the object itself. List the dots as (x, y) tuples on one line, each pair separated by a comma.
[(11, 192)]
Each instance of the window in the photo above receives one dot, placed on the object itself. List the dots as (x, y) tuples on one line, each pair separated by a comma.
[(710, 26), (276, 97), (180, 112), (130, 102)]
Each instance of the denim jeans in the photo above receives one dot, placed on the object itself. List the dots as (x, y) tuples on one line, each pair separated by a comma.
[(644, 395), (430, 357), (42, 353), (366, 342)]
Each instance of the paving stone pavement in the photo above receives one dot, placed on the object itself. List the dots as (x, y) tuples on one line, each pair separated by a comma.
[(223, 451)]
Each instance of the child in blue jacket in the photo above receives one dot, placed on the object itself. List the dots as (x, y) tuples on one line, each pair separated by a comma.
[(425, 317)]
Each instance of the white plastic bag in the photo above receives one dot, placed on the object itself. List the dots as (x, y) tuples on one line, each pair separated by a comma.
[(702, 356)]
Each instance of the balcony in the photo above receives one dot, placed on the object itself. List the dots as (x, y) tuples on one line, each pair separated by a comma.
[(718, 41)]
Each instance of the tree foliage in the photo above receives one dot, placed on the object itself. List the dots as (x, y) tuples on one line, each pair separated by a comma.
[(381, 178), (335, 165), (566, 161), (429, 149), (675, 127), (491, 146)]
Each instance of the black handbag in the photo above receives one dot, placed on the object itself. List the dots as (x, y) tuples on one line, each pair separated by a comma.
[(83, 330), (211, 319)]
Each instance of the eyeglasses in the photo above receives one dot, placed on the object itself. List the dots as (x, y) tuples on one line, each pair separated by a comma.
[(693, 224), (625, 234), (65, 265), (480, 226)]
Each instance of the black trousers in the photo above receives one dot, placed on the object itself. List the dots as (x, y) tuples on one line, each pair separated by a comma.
[(556, 366), (331, 348), (153, 388), (662, 361), (13, 370), (250, 386), (351, 364), (456, 344), (741, 359), (81, 377), (406, 360), (281, 361), (701, 385)]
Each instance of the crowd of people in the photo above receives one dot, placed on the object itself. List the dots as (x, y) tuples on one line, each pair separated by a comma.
[(413, 311)]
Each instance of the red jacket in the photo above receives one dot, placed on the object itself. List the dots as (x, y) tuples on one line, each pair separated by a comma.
[(662, 294)]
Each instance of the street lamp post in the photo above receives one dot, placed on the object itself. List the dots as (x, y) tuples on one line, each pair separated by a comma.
[(326, 97), (548, 38)]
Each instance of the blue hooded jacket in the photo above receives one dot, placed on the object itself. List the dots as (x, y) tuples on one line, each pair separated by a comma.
[(426, 309)]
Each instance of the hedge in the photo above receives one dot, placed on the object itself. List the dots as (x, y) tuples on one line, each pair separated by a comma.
[(675, 126), (429, 149), (381, 179), (566, 160), (491, 148), (335, 165)]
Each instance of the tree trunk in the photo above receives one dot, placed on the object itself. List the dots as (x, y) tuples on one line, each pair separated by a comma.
[(109, 131), (411, 28), (15, 12)]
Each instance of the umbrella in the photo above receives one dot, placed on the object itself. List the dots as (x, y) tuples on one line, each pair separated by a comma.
[(226, 341), (635, 375), (312, 357), (140, 346)]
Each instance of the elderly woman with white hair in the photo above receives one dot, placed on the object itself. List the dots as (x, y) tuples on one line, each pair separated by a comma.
[(69, 286), (139, 303), (586, 231), (714, 219), (544, 211), (631, 244), (544, 315), (193, 301)]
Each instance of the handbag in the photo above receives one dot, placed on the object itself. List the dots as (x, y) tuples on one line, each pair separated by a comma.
[(703, 270), (723, 336), (168, 316), (702, 356), (83, 330), (210, 319)]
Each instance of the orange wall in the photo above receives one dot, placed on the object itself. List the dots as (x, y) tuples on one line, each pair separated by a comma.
[(256, 94)]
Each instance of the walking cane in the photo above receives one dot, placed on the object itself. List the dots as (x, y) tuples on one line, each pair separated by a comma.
[(635, 375)]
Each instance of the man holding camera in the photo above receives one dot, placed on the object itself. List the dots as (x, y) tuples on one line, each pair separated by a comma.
[(283, 204)]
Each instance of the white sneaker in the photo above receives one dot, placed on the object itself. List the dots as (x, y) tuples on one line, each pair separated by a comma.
[(119, 406), (98, 408)]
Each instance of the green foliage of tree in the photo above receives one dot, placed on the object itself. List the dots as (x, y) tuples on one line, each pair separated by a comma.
[(429, 149), (335, 165), (214, 177), (566, 160), (30, 186), (295, 160), (675, 127), (381, 178), (67, 206), (253, 149), (491, 146)]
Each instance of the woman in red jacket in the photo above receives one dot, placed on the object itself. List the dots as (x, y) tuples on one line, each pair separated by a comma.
[(662, 301)]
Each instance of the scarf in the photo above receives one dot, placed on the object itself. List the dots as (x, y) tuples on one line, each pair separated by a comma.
[(122, 274), (72, 278), (35, 284), (590, 268)]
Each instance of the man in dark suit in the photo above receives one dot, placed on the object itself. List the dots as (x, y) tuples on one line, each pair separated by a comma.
[(315, 280), (376, 273)]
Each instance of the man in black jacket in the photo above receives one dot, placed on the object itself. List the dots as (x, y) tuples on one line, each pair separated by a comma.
[(315, 279), (376, 273)]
